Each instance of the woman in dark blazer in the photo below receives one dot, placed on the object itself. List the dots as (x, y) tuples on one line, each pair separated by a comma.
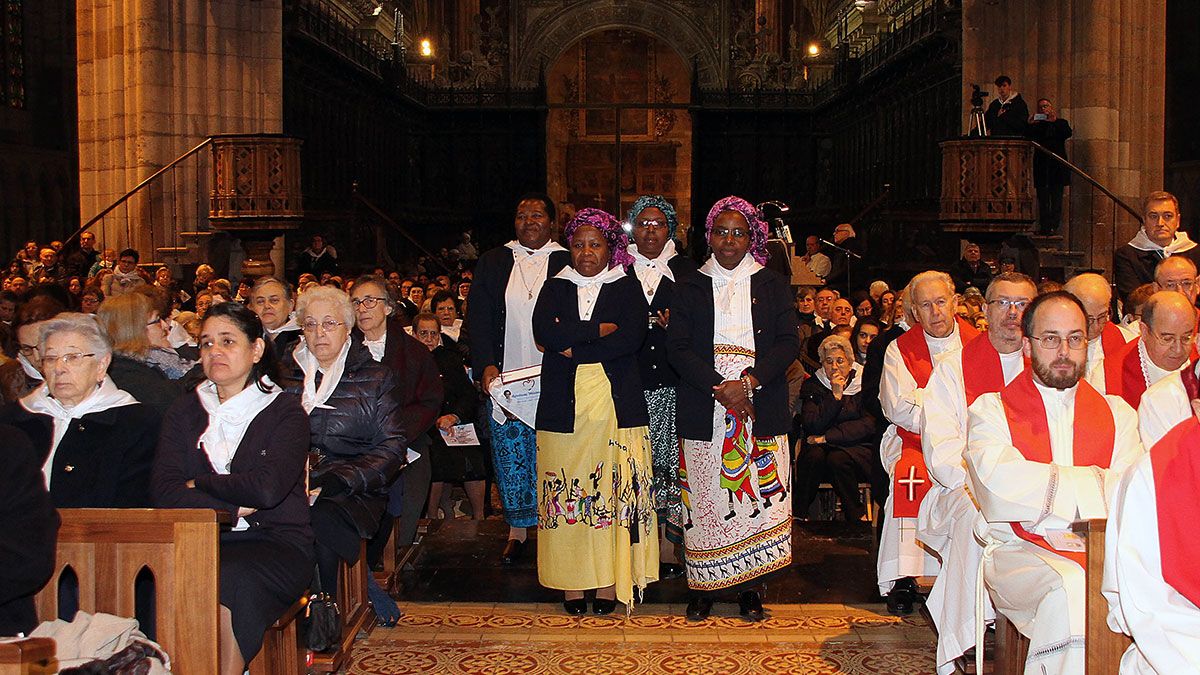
[(95, 441), (596, 522), (238, 444), (732, 336), (656, 267), (838, 430), (355, 427)]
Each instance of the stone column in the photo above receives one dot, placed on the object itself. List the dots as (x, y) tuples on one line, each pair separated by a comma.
[(1083, 55), (158, 76)]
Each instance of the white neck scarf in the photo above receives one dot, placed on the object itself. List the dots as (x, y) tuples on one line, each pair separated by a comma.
[(727, 281), (518, 249), (1179, 244), (651, 271), (589, 287), (314, 396), (290, 324), (124, 278), (28, 368), (40, 402), (853, 383), (228, 421)]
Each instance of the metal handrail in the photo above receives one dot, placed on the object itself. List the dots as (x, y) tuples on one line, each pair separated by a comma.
[(149, 179), (1061, 160)]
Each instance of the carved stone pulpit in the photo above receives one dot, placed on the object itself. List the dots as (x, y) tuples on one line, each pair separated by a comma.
[(255, 193), (987, 185)]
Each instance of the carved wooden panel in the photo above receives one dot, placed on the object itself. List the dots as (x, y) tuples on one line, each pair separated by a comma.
[(987, 185)]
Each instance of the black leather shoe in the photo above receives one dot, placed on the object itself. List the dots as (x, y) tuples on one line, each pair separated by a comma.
[(575, 607), (512, 551), (699, 607), (900, 602), (750, 605), (603, 606), (669, 571)]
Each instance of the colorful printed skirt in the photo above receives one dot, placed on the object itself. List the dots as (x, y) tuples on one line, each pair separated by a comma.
[(736, 517), (596, 521), (514, 458), (665, 450)]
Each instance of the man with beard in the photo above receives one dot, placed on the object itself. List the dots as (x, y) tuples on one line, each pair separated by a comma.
[(907, 366), (1046, 451), (948, 514)]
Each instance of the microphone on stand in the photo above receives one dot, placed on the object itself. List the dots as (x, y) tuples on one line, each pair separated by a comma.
[(839, 248)]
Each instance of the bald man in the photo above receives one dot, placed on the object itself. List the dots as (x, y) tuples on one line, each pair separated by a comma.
[(1164, 347), (1106, 339), (1168, 401), (1177, 273), (907, 367), (1044, 452)]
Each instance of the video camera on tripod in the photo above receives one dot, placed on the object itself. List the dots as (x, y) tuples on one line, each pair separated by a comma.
[(978, 126)]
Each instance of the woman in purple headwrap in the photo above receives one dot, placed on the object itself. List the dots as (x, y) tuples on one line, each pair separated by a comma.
[(656, 266), (597, 528), (732, 336)]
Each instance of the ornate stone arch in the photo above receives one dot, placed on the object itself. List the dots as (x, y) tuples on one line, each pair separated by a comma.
[(695, 37)]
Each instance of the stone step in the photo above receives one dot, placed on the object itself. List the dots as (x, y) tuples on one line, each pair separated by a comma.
[(172, 250), (198, 234)]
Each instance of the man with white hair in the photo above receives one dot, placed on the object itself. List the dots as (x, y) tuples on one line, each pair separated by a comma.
[(845, 269), (907, 366), (1106, 339), (948, 513), (1046, 451), (1177, 273)]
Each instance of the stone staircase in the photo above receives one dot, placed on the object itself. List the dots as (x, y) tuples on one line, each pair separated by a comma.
[(1053, 256)]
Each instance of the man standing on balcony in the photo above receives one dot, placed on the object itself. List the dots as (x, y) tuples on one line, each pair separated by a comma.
[(1049, 176), (1159, 238), (1008, 113)]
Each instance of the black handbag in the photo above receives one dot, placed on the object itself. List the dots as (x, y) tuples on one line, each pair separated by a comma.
[(322, 619)]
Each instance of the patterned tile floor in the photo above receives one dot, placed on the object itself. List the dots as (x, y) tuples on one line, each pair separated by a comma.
[(539, 638)]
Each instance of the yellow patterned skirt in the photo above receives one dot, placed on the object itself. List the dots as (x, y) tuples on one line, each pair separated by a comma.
[(596, 521)]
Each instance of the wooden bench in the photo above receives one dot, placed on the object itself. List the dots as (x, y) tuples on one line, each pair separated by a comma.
[(31, 656), (356, 613), (107, 549), (1103, 647)]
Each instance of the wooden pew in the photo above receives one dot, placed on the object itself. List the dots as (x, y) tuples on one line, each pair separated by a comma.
[(1104, 647), (30, 656)]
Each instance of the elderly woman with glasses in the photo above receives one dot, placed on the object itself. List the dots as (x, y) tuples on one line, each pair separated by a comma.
[(838, 430), (95, 441), (356, 430)]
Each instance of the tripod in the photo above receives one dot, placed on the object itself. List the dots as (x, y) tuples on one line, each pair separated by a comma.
[(978, 126)]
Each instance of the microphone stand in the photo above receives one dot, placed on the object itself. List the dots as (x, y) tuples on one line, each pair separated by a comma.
[(848, 253)]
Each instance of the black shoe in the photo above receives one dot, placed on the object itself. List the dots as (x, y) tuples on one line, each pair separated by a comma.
[(699, 607), (750, 605), (900, 602), (575, 607), (512, 551), (669, 571), (603, 606)]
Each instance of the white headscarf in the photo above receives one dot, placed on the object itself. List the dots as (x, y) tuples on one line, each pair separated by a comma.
[(314, 396), (853, 382), (40, 402)]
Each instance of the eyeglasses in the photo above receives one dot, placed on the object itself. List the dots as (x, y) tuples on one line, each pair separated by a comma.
[(1184, 340), (1179, 285), (1006, 304), (155, 321), (68, 360), (1075, 341), (328, 325), (27, 349), (427, 333), (368, 301), (1100, 318), (652, 224), (736, 233)]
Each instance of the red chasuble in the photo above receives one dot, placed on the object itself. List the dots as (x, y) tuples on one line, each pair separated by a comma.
[(1175, 460), (1093, 433), (910, 482)]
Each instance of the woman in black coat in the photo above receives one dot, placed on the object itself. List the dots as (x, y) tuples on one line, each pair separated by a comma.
[(95, 441), (838, 430), (356, 429), (238, 444)]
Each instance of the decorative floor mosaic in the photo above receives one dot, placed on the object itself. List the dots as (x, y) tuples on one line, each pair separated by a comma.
[(539, 638)]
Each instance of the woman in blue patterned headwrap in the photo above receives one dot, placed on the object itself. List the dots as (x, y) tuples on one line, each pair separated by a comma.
[(657, 267), (597, 528), (732, 336)]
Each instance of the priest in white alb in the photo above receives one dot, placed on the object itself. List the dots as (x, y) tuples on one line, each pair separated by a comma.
[(1106, 339), (907, 365), (1151, 575), (948, 513), (1046, 451)]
